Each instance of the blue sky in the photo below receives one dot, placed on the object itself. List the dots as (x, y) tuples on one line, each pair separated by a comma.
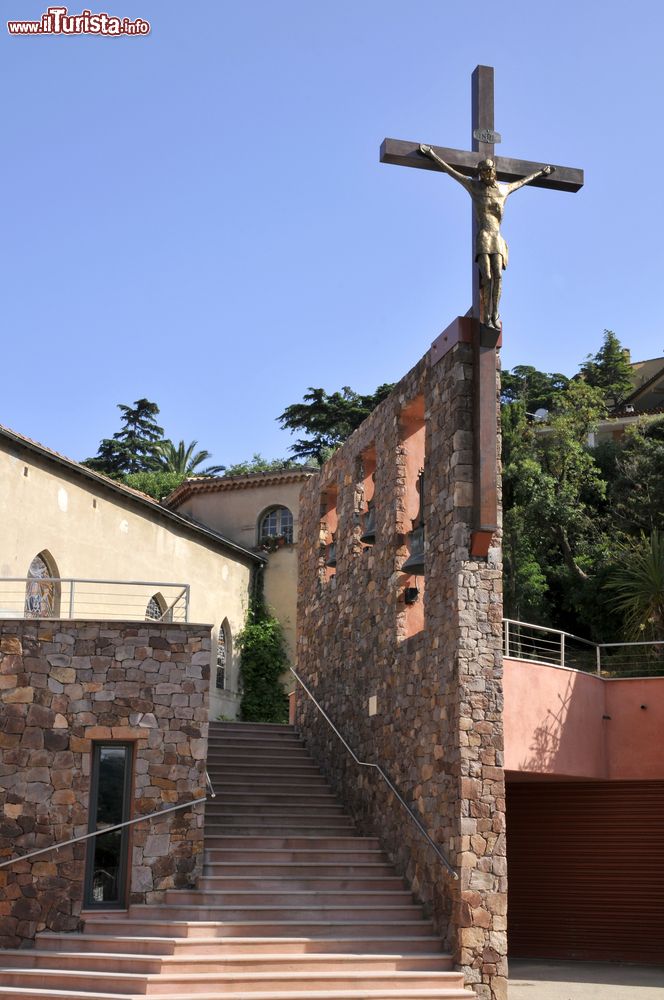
[(199, 216)]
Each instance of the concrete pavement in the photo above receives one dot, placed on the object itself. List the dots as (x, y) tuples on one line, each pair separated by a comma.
[(531, 980)]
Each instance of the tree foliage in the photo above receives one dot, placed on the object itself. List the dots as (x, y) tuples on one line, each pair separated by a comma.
[(575, 513), (134, 448), (140, 448), (535, 390), (155, 484), (328, 419), (259, 464), (636, 587), (184, 459), (609, 370)]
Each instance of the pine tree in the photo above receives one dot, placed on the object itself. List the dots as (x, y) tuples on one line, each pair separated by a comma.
[(135, 447), (609, 370)]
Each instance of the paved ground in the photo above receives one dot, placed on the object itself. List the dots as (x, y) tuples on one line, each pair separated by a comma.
[(585, 981)]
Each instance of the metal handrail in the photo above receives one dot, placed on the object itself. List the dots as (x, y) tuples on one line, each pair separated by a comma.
[(75, 598), (108, 829), (364, 763), (208, 782), (554, 631), (551, 648)]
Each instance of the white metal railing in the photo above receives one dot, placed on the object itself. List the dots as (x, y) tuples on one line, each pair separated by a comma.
[(69, 597), (539, 644), (363, 763)]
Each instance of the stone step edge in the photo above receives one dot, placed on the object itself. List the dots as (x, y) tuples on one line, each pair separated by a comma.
[(372, 851), (121, 915), (289, 847), (237, 940), (248, 977), (133, 956), (286, 865), (251, 893), (357, 994)]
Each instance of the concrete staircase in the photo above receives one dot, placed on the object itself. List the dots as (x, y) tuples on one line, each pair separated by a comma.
[(292, 904)]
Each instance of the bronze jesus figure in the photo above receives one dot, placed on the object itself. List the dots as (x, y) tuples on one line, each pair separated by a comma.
[(489, 199)]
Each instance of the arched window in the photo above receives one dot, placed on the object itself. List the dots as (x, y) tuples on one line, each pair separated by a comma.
[(222, 656), (42, 590), (157, 610), (276, 523)]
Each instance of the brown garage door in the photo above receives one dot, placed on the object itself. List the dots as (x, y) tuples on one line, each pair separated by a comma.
[(586, 870)]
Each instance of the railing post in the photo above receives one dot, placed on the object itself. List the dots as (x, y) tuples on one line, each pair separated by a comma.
[(507, 638), (71, 598), (598, 654), (562, 649), (186, 603)]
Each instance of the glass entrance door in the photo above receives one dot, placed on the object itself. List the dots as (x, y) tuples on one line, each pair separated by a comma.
[(106, 871)]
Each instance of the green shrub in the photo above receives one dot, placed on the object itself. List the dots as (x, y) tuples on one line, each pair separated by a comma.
[(263, 660)]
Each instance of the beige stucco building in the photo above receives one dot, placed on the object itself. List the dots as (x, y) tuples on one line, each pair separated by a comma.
[(257, 511), (116, 552)]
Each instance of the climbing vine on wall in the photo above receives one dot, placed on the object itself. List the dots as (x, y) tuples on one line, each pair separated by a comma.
[(263, 660)]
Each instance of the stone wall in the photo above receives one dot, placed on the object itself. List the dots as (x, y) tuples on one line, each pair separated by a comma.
[(64, 685), (416, 689)]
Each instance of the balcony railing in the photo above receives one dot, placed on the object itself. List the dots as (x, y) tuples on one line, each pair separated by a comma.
[(65, 597), (538, 644)]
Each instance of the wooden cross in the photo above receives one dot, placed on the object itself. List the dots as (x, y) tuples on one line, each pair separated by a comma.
[(485, 340)]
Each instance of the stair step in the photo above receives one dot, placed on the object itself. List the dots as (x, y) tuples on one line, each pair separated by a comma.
[(287, 896), (312, 869), (283, 799), (249, 831), (146, 963), (234, 776), (400, 993), (294, 946), (286, 753), (301, 814), (300, 855), (258, 741), (225, 883), (278, 912), (195, 984), (16, 993), (119, 924), (277, 727), (342, 843)]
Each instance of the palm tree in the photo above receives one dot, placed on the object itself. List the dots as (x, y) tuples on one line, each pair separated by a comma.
[(638, 588), (184, 459)]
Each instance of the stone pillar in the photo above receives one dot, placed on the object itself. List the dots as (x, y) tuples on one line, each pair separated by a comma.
[(426, 707)]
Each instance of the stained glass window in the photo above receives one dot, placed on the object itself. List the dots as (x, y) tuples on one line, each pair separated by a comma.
[(221, 658), (40, 592), (155, 609)]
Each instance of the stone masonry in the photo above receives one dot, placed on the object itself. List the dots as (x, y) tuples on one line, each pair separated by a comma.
[(64, 685), (418, 694)]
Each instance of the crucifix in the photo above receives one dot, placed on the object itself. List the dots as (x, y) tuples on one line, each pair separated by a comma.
[(489, 258)]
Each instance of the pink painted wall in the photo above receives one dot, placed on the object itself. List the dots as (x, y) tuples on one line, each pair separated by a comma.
[(554, 723), (636, 746)]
